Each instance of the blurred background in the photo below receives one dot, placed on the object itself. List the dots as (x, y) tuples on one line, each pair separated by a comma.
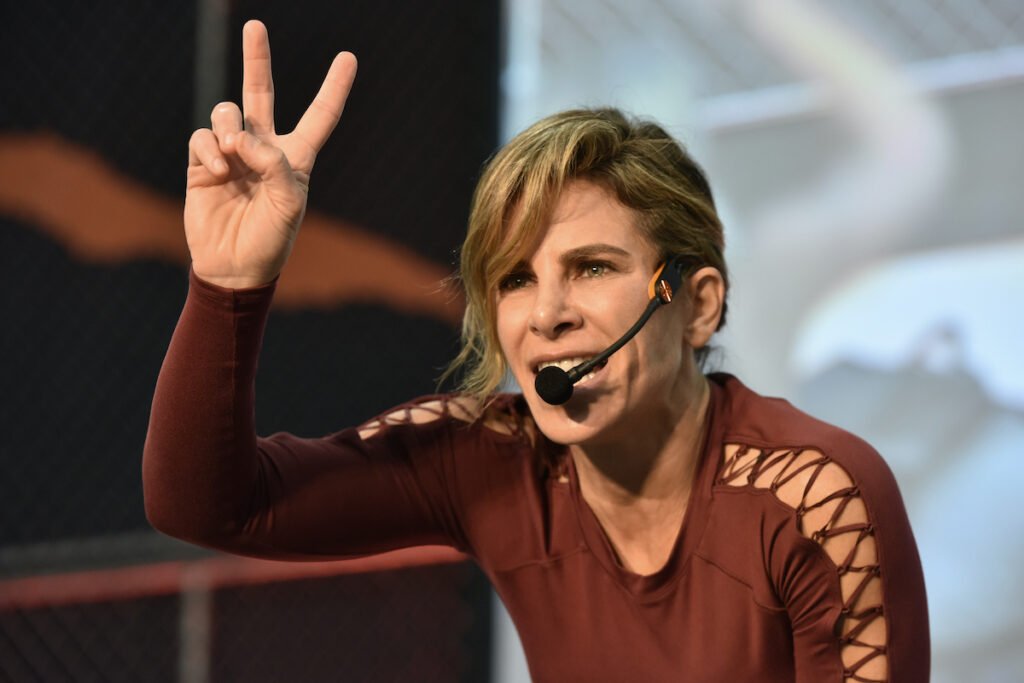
[(866, 159)]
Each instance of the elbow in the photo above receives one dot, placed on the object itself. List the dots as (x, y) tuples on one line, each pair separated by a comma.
[(172, 502), (166, 517), (194, 529), (157, 516), (177, 517), (188, 504), (162, 507)]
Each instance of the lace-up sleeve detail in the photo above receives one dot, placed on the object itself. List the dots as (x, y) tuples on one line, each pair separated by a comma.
[(831, 512), (461, 408), (415, 413)]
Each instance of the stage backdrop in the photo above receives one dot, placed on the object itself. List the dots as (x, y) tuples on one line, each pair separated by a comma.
[(99, 102)]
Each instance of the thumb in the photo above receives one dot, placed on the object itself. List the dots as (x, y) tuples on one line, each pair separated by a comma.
[(266, 160)]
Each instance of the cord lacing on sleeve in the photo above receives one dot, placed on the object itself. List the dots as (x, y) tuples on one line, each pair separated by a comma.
[(830, 511)]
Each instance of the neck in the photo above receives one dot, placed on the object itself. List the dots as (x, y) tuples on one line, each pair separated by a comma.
[(654, 465), (639, 488)]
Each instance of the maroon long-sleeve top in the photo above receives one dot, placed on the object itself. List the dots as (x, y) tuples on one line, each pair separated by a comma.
[(795, 560)]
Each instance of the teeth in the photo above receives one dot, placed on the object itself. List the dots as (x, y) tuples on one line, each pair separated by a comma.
[(566, 364)]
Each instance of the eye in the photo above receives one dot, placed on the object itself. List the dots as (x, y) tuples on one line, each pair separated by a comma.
[(594, 269), (513, 281)]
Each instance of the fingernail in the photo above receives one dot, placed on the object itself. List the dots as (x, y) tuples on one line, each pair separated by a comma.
[(220, 166), (229, 138)]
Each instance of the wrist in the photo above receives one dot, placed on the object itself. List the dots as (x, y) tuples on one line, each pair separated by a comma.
[(234, 282)]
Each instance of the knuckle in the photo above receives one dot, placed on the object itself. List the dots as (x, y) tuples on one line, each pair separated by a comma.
[(199, 135), (223, 109)]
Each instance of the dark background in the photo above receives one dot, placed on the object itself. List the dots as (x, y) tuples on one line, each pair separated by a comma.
[(82, 342)]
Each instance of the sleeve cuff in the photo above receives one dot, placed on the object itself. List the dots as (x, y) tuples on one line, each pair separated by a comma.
[(224, 297)]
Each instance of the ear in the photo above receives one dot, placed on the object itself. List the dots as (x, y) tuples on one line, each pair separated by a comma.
[(707, 295)]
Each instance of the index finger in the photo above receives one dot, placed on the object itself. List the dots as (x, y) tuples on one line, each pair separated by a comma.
[(257, 80), (324, 112)]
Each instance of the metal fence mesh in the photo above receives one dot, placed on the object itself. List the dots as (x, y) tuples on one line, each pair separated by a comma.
[(106, 642), (416, 623), (100, 100)]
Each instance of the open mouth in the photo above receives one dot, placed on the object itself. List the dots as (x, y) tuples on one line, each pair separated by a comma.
[(567, 364)]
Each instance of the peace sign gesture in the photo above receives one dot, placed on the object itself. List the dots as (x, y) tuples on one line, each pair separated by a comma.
[(247, 185)]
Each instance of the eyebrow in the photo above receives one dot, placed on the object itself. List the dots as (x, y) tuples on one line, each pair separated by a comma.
[(590, 251), (587, 251)]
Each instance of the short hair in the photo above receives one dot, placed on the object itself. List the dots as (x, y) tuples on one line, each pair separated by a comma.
[(636, 160)]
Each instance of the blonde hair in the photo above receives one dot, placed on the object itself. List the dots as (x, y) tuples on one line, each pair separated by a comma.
[(637, 161)]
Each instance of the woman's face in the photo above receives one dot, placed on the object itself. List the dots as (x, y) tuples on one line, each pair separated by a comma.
[(582, 287)]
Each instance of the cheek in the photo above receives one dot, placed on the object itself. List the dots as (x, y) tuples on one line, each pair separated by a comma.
[(667, 346), (510, 325)]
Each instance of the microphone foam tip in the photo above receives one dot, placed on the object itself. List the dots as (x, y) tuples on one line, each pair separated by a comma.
[(553, 385)]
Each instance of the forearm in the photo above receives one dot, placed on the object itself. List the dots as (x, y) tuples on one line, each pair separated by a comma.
[(200, 466)]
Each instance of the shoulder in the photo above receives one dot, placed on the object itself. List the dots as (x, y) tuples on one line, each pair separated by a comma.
[(499, 414), (818, 469), (843, 498), (764, 423)]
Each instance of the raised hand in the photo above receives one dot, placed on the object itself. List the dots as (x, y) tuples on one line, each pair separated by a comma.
[(247, 185)]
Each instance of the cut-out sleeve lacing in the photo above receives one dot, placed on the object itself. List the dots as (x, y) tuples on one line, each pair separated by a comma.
[(462, 408), (831, 512)]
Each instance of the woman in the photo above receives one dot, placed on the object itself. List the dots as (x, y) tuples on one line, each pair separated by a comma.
[(660, 525)]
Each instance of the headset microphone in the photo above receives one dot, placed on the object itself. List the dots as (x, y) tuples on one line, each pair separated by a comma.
[(555, 385)]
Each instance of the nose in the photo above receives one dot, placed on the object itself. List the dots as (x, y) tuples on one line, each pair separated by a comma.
[(553, 313)]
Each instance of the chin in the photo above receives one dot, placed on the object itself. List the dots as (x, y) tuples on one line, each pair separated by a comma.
[(580, 420)]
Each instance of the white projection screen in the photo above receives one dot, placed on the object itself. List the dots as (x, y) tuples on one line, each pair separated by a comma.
[(867, 161)]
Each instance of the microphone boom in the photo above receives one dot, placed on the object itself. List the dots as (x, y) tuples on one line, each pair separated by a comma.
[(555, 385)]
